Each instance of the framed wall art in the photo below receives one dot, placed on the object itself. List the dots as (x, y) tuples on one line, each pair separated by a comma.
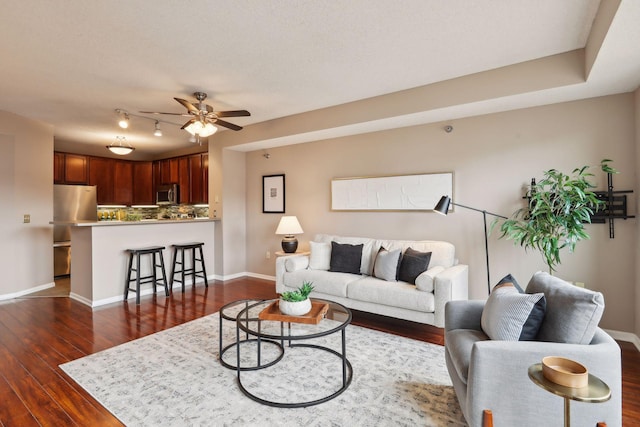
[(391, 193), (273, 193)]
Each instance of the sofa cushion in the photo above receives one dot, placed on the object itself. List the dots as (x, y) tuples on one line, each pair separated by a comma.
[(394, 294), (572, 314), (345, 258), (386, 265), (413, 263), (442, 253), (459, 345), (320, 257), (424, 282), (296, 263), (324, 282), (511, 316), (369, 249)]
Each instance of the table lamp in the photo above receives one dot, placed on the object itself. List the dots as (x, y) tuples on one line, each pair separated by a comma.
[(289, 227)]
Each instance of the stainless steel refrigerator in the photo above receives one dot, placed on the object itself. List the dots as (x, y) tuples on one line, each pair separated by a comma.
[(70, 203)]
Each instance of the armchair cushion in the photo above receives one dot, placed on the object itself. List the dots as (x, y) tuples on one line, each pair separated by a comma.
[(511, 316), (460, 342), (572, 314)]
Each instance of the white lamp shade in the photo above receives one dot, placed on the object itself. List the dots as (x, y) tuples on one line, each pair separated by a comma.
[(289, 225)]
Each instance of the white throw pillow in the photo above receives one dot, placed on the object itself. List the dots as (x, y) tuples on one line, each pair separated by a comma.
[(295, 263), (424, 282), (509, 315), (386, 265), (320, 258)]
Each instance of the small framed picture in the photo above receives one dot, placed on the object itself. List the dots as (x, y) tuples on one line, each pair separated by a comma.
[(273, 194)]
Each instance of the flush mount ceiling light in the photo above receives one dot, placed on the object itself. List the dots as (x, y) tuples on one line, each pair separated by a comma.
[(123, 122), (157, 131), (120, 146)]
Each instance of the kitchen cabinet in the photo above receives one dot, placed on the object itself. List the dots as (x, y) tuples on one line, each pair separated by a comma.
[(199, 189), (123, 182), (69, 169), (101, 174), (143, 185), (169, 171), (184, 179)]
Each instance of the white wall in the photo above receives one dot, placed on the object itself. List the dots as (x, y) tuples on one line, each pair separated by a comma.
[(493, 157), (26, 187)]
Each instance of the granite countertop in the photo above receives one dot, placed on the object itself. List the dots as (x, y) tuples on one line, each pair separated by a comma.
[(141, 222)]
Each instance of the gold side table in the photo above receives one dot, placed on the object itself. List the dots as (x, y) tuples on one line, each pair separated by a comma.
[(596, 390)]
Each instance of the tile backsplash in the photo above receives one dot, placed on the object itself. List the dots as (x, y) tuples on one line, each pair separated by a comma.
[(112, 213)]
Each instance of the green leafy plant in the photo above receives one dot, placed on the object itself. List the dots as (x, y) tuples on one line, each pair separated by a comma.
[(559, 207), (300, 294)]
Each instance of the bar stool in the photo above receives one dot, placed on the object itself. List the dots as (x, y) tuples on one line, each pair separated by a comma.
[(156, 262), (179, 264)]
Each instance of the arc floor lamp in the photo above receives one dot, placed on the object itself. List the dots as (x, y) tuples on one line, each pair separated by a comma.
[(443, 209)]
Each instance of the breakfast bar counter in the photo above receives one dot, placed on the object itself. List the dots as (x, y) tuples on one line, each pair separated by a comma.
[(99, 264)]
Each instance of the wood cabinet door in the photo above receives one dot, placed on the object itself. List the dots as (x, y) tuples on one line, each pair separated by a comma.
[(123, 182), (75, 169), (101, 175), (58, 168), (205, 178), (184, 179), (143, 183), (196, 175)]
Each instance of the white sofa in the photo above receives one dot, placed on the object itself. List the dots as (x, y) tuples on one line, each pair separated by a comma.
[(445, 280)]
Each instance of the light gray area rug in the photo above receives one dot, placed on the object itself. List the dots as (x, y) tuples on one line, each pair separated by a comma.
[(173, 378)]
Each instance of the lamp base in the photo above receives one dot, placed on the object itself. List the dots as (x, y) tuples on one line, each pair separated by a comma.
[(289, 244)]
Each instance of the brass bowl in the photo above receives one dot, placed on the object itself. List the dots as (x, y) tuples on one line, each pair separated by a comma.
[(565, 372)]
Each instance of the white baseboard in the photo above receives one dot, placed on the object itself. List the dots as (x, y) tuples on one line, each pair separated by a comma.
[(261, 276), (27, 291)]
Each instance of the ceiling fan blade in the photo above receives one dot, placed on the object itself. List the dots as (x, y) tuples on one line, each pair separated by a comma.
[(227, 125), (171, 114), (232, 113), (189, 106), (188, 123)]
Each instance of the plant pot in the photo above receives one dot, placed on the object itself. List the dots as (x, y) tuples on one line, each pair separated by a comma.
[(297, 308)]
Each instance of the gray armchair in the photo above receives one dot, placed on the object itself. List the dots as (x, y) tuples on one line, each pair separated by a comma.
[(492, 375)]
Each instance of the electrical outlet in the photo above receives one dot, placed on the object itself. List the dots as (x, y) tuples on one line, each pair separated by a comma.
[(26, 219), (268, 255), (579, 284)]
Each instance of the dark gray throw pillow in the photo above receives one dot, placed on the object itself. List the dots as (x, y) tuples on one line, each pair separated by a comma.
[(413, 263), (345, 258)]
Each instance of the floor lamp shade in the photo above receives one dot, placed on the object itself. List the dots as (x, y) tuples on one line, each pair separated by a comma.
[(289, 227)]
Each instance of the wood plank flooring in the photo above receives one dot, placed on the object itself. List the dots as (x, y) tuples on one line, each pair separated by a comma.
[(38, 334)]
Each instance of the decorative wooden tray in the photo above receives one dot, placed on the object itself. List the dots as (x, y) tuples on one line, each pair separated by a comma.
[(317, 313)]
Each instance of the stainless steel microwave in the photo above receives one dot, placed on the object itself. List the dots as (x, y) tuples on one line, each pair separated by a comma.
[(168, 194)]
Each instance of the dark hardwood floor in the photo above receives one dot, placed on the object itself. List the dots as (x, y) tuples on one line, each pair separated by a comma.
[(38, 334)]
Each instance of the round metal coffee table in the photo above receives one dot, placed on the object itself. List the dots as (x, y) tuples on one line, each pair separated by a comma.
[(336, 319), (230, 312)]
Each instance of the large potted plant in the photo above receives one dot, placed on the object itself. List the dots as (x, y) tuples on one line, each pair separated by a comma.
[(296, 303), (559, 207)]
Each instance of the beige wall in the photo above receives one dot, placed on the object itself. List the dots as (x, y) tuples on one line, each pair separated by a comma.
[(26, 176), (637, 205), (493, 157)]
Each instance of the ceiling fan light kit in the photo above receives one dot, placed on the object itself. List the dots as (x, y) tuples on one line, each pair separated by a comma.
[(203, 120), (117, 147)]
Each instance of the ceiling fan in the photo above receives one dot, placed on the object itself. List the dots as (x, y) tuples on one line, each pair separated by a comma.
[(203, 117)]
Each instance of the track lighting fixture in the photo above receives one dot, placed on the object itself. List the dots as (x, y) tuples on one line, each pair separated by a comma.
[(118, 146), (157, 131)]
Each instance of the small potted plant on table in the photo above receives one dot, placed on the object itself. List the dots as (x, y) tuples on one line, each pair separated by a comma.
[(296, 303)]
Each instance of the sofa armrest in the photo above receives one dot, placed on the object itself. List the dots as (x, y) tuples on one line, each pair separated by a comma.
[(451, 284), (500, 368), (281, 269), (463, 314)]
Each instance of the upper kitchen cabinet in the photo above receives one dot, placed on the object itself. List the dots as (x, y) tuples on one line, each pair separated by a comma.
[(184, 180), (123, 182), (169, 171), (199, 176), (143, 193), (101, 172), (70, 168)]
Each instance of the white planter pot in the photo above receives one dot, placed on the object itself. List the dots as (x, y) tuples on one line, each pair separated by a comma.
[(298, 308)]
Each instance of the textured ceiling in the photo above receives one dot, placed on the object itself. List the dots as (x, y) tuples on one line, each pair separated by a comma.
[(72, 63)]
